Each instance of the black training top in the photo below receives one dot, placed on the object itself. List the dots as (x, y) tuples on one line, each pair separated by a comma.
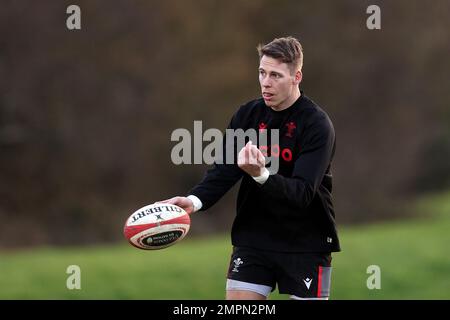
[(293, 210)]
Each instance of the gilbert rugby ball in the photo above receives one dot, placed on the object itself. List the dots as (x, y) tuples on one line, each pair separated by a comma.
[(157, 226)]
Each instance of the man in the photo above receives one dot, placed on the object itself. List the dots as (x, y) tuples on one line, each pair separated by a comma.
[(284, 230)]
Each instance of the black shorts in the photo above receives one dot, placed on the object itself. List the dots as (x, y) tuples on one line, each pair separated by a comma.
[(304, 275)]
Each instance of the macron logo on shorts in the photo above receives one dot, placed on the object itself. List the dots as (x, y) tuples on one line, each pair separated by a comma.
[(307, 282)]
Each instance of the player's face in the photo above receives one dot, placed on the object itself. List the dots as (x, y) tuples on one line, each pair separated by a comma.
[(278, 84)]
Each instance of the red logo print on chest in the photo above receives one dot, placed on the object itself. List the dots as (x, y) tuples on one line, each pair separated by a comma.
[(290, 127), (262, 126), (275, 151)]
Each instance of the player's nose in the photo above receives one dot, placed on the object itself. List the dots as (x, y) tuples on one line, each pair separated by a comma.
[(266, 83)]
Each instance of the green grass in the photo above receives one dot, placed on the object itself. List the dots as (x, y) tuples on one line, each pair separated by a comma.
[(413, 256)]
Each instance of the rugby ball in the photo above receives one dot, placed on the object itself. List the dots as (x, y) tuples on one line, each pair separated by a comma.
[(157, 226)]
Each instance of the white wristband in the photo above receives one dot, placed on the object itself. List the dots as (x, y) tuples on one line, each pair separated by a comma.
[(263, 177), (196, 202)]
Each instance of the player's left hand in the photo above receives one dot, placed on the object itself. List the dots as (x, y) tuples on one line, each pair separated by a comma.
[(251, 160)]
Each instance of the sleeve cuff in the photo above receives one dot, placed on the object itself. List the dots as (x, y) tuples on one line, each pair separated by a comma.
[(196, 202), (263, 177)]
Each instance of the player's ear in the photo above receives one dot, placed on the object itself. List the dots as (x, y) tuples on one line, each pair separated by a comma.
[(298, 77)]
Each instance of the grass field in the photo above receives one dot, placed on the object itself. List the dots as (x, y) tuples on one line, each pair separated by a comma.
[(413, 256)]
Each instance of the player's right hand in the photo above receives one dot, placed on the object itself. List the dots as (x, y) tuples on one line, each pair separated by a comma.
[(183, 202)]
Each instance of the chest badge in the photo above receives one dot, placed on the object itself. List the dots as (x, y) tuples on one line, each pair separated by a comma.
[(290, 129)]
